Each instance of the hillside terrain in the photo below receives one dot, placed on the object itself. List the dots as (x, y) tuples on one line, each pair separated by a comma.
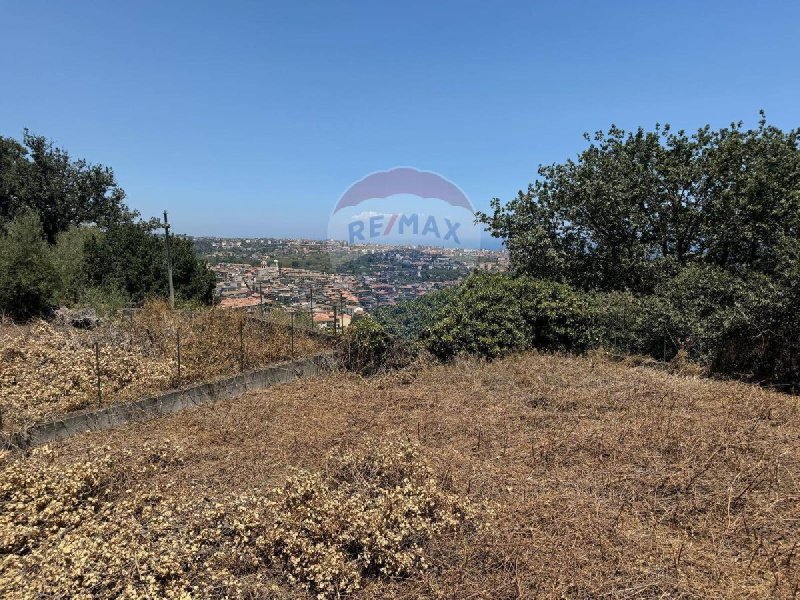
[(544, 476)]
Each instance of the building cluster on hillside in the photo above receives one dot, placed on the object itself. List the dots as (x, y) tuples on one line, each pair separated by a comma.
[(367, 277)]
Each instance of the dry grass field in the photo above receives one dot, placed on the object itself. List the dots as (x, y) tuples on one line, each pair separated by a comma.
[(533, 476), (48, 370)]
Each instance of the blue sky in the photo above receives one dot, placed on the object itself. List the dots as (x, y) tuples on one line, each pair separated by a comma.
[(251, 118)]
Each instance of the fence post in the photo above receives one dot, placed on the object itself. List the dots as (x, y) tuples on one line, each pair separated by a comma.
[(262, 326), (97, 371), (241, 345), (291, 336), (335, 320), (179, 356)]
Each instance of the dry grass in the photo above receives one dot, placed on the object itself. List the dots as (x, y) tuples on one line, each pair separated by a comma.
[(48, 370), (608, 481)]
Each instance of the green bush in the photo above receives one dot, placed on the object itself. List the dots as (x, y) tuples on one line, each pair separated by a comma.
[(490, 315), (365, 346), (614, 320), (555, 315), (28, 278), (410, 318), (484, 317), (744, 325)]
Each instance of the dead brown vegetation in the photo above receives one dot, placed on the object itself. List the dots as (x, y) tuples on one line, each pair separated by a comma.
[(607, 480), (48, 370)]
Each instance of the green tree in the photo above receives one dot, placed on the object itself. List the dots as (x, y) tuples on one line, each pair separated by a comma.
[(99, 247), (131, 258), (37, 175), (28, 278), (634, 208), (68, 260)]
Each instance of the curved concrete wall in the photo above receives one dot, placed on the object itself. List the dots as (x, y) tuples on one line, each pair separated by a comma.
[(169, 402)]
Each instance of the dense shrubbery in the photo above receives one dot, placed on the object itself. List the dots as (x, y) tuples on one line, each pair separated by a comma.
[(67, 238), (491, 315), (655, 243), (749, 328), (367, 347), (410, 318)]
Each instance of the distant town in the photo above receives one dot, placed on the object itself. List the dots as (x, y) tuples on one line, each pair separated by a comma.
[(331, 281)]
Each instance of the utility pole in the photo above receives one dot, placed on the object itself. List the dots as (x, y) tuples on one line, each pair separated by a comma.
[(169, 263), (341, 311)]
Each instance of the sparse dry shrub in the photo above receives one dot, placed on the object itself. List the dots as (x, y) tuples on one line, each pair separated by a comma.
[(43, 501), (682, 364), (371, 515), (46, 371), (89, 529), (74, 530), (210, 342)]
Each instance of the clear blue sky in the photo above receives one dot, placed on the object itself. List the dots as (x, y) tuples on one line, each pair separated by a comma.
[(251, 118)]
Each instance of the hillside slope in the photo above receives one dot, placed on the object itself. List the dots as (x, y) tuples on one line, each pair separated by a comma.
[(606, 480)]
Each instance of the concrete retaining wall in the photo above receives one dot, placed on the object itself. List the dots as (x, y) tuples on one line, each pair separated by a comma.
[(169, 402)]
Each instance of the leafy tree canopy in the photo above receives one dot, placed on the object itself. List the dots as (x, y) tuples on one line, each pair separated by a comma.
[(635, 207), (37, 175), (66, 236)]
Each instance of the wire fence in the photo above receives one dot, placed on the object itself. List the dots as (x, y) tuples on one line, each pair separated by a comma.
[(47, 370)]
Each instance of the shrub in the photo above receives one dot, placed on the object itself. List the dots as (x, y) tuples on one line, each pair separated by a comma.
[(28, 279), (85, 529), (555, 314), (491, 315), (372, 515), (365, 346), (484, 317), (410, 318), (614, 320), (745, 324)]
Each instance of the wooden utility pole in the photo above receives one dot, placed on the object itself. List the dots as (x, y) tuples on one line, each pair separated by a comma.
[(169, 263)]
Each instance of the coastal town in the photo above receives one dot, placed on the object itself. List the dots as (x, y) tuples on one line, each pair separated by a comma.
[(330, 281)]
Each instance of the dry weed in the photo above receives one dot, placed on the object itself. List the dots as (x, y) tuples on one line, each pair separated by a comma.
[(608, 481), (80, 531), (47, 371)]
